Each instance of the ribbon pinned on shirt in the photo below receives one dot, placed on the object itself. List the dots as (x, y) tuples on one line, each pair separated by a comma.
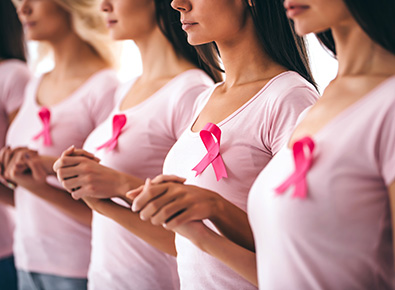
[(213, 155), (118, 122), (45, 116), (303, 160)]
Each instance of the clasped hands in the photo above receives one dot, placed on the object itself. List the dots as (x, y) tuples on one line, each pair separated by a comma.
[(21, 166), (164, 201)]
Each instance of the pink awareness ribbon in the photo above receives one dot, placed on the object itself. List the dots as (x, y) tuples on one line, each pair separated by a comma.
[(213, 156), (303, 160), (45, 116), (118, 122)]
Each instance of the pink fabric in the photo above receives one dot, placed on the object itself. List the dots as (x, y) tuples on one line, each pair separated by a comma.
[(213, 155), (120, 260), (14, 75), (340, 236), (250, 138), (47, 240)]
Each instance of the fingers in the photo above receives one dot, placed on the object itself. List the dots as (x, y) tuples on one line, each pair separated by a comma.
[(160, 209), (132, 194), (149, 193), (72, 151), (167, 178), (35, 165), (68, 161)]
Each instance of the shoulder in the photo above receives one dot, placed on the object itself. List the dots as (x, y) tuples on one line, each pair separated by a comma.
[(14, 71), (102, 82), (289, 88), (191, 79)]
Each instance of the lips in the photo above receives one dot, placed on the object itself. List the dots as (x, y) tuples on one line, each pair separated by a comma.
[(29, 24), (111, 22), (188, 24), (294, 9)]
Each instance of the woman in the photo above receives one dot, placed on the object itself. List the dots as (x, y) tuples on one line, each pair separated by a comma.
[(60, 108), (248, 117), (151, 112), (14, 75), (336, 232)]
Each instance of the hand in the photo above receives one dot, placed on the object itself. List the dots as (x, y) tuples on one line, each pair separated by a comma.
[(174, 204), (7, 154), (72, 151), (25, 169), (132, 194), (82, 176)]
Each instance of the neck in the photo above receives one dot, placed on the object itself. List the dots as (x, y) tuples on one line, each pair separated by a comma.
[(159, 58), (244, 59), (358, 54), (70, 54)]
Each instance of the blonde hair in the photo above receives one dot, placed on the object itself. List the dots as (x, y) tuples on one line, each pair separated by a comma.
[(89, 24)]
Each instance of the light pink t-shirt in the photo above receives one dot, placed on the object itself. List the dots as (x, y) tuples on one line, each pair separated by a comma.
[(47, 240), (250, 138), (14, 76), (340, 236), (120, 260)]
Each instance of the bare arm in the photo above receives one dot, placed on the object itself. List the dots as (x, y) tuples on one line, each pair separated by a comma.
[(154, 235), (6, 195), (174, 204), (61, 199), (238, 258), (34, 179)]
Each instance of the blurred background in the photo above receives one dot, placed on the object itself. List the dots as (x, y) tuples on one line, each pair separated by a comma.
[(324, 66)]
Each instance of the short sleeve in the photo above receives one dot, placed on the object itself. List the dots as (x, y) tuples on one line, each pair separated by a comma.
[(386, 146), (15, 88), (184, 109), (285, 113), (101, 97)]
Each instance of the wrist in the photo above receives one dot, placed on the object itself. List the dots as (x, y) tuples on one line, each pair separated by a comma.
[(219, 209)]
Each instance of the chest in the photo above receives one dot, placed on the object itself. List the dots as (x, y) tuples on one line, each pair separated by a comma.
[(50, 92)]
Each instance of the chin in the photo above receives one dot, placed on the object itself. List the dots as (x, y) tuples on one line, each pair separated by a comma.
[(195, 41)]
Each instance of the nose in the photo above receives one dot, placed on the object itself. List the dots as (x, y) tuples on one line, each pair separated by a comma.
[(24, 8), (106, 6), (181, 5)]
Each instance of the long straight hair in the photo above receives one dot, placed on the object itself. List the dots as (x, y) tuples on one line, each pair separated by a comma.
[(278, 37), (376, 19), (12, 42), (169, 22)]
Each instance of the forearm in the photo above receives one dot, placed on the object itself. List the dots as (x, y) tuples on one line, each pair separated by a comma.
[(61, 199), (127, 182), (234, 256), (47, 163), (156, 236), (233, 223), (6, 195)]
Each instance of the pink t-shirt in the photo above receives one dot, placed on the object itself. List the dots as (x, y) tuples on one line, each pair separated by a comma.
[(14, 75), (47, 240), (340, 236), (250, 138), (120, 260)]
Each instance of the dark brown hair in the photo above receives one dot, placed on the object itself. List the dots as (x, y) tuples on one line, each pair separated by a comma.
[(376, 19), (12, 43), (170, 25), (278, 37)]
